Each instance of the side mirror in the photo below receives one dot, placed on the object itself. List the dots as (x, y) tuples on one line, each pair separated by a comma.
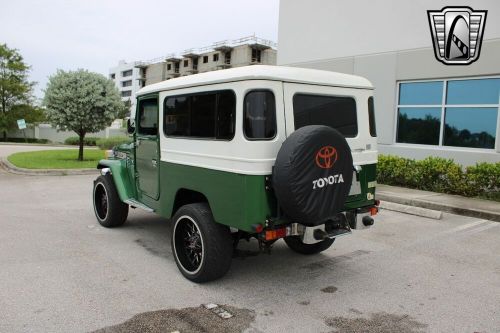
[(130, 128)]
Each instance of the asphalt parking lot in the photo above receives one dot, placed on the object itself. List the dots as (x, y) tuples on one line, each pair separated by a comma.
[(62, 272)]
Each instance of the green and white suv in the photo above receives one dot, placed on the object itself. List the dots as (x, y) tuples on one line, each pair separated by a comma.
[(259, 151)]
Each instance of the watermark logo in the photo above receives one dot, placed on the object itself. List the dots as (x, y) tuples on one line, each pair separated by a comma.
[(457, 33)]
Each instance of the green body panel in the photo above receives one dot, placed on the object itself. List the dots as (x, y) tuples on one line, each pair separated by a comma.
[(236, 200), (122, 171)]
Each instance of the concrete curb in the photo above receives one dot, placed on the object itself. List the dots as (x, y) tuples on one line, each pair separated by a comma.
[(412, 210), (445, 203), (9, 167)]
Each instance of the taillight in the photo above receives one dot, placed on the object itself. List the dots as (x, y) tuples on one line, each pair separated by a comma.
[(275, 234)]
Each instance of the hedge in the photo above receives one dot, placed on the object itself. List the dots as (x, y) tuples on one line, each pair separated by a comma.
[(440, 175), (113, 141), (23, 140), (75, 141)]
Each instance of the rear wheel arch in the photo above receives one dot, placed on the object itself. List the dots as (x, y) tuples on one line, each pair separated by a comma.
[(185, 196)]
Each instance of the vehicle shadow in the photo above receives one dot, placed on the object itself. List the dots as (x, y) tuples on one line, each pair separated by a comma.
[(153, 233)]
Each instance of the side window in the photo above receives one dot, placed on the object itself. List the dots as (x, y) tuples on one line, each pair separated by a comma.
[(371, 117), (203, 115), (259, 115), (148, 116), (226, 113)]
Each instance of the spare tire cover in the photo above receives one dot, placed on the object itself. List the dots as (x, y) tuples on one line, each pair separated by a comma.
[(312, 174)]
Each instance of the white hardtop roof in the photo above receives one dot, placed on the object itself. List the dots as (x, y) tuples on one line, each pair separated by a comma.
[(261, 72)]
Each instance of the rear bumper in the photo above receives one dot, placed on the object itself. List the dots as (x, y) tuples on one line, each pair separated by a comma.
[(341, 225)]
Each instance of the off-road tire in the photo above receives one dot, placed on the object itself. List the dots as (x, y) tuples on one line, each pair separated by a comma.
[(114, 213), (215, 239), (296, 245)]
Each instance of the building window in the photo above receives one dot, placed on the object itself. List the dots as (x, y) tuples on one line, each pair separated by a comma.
[(169, 67), (127, 83), (256, 55), (126, 93), (205, 59), (458, 113), (186, 63), (259, 115), (216, 57), (127, 73), (203, 115), (112, 76), (337, 112)]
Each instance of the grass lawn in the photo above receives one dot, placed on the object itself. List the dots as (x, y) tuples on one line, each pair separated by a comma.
[(56, 159)]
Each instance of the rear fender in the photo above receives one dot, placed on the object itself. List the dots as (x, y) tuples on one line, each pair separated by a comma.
[(125, 186)]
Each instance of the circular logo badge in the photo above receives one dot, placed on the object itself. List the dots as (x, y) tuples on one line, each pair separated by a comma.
[(326, 157)]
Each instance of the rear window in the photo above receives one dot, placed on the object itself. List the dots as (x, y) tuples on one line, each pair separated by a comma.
[(338, 112)]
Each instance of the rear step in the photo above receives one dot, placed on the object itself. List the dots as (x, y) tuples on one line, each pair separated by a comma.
[(136, 204)]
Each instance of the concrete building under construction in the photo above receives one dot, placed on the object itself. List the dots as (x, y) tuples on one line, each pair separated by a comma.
[(221, 55)]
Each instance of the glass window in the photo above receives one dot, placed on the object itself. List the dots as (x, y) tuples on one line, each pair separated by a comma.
[(470, 127), (334, 111), (215, 57), (481, 91), (419, 125), (371, 117), (259, 115), (226, 113), (421, 93), (148, 116), (127, 73), (203, 115), (177, 116), (203, 118)]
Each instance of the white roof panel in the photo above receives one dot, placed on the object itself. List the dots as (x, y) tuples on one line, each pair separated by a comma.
[(261, 72)]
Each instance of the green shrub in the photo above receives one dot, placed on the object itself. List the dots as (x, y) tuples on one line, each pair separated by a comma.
[(440, 175), (113, 141), (29, 140), (75, 141)]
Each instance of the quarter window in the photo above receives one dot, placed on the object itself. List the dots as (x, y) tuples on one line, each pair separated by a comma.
[(468, 109), (335, 111), (203, 115), (259, 114)]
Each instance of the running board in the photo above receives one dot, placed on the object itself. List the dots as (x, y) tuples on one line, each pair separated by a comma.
[(137, 204)]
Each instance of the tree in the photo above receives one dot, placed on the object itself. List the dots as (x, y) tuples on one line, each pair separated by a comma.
[(81, 101), (15, 89)]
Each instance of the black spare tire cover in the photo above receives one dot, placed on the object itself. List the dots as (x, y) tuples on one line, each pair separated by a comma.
[(312, 174)]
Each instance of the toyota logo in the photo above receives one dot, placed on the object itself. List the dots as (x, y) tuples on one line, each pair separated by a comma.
[(326, 157)]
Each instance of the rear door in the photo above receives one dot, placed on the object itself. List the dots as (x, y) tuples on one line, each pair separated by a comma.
[(345, 109), (147, 146)]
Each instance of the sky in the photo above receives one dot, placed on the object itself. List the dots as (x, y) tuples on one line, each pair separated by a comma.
[(96, 34)]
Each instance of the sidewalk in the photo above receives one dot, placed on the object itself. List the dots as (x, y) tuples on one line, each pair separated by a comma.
[(455, 204)]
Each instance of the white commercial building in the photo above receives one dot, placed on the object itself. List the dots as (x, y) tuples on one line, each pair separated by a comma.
[(423, 107), (127, 78)]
